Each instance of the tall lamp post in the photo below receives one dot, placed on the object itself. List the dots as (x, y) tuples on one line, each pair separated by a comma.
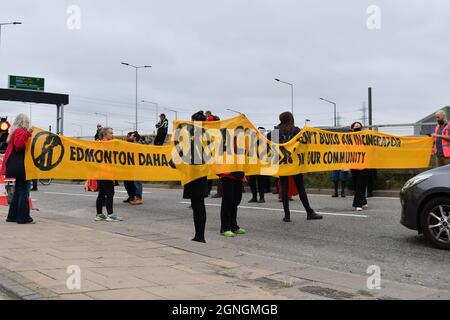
[(292, 93), (334, 103), (103, 114), (234, 111), (136, 68), (154, 103), (5, 24), (176, 112)]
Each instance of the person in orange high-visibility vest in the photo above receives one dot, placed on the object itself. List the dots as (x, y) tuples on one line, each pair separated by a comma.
[(441, 140)]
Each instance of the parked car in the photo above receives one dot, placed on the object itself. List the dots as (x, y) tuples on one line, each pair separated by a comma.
[(425, 201)]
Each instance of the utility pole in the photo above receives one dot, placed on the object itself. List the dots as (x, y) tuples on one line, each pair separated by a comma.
[(364, 113)]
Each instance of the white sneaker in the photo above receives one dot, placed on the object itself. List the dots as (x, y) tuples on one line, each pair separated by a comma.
[(359, 209), (114, 218), (365, 206), (100, 217)]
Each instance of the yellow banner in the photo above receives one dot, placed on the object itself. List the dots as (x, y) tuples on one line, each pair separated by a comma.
[(209, 148)]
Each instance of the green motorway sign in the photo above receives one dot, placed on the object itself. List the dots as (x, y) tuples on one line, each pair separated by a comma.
[(26, 83)]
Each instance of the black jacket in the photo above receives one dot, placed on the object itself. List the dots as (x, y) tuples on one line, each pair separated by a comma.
[(283, 135)]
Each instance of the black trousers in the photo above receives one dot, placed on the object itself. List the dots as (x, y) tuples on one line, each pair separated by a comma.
[(35, 183), (199, 211), (360, 179), (257, 185), (298, 180), (105, 196), (160, 137), (131, 188), (19, 208), (231, 198), (371, 181)]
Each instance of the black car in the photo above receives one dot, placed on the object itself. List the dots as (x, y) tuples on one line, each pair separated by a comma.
[(425, 203)]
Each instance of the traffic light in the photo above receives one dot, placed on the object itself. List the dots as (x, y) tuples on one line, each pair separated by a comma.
[(4, 131), (4, 125)]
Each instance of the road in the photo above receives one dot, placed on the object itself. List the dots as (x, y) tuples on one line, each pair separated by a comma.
[(342, 241)]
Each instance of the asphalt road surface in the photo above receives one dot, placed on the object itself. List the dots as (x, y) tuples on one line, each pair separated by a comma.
[(344, 240)]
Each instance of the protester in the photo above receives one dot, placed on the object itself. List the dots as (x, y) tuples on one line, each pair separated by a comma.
[(360, 178), (231, 198), (285, 132), (441, 140), (162, 127), (339, 176), (14, 167), (130, 186), (99, 127), (232, 184), (197, 191), (106, 188), (136, 138)]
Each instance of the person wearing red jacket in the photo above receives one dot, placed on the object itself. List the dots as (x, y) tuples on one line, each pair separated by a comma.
[(14, 167)]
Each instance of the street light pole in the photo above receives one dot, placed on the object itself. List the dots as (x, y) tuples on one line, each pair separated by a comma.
[(149, 102), (136, 68), (103, 114), (234, 111), (334, 103), (292, 93), (176, 113), (5, 24)]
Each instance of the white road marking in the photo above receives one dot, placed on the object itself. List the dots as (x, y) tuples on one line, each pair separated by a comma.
[(349, 214), (77, 194)]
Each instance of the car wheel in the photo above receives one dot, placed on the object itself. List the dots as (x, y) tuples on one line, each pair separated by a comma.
[(435, 222)]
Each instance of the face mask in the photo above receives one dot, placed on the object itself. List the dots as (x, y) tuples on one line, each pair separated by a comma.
[(441, 122), (356, 129)]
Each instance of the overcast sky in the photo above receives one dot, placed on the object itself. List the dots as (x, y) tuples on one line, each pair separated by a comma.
[(211, 54)]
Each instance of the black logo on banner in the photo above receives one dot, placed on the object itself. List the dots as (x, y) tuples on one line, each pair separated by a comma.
[(45, 157)]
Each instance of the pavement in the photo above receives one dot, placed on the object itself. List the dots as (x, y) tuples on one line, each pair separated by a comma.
[(150, 255)]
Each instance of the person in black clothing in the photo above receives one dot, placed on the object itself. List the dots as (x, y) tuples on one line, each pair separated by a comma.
[(360, 178), (162, 127), (99, 127), (106, 188), (130, 187), (286, 131), (197, 191), (231, 198)]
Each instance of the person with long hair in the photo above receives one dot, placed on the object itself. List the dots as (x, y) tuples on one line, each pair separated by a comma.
[(285, 132), (106, 188), (360, 178), (14, 167), (197, 191)]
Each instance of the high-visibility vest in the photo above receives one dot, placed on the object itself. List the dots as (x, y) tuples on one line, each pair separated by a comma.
[(445, 144)]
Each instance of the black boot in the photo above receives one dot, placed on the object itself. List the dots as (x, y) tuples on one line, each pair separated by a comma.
[(335, 194), (311, 215)]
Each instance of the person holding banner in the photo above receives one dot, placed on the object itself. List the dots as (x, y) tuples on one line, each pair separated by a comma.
[(360, 178), (197, 191), (285, 132), (13, 167), (106, 188), (441, 140)]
